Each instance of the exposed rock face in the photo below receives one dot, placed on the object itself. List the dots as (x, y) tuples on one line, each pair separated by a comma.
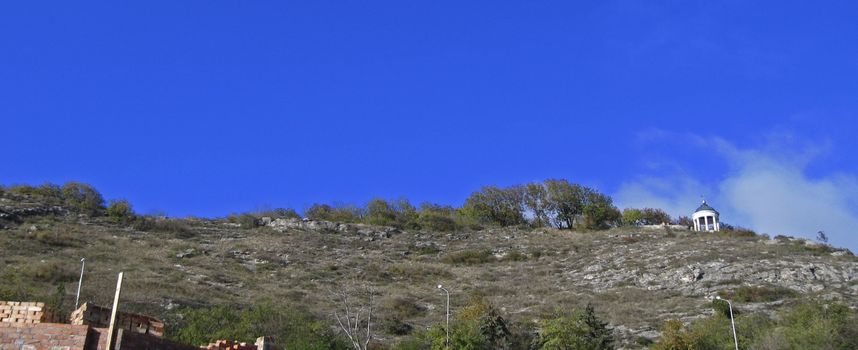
[(694, 271), (367, 231), (17, 210)]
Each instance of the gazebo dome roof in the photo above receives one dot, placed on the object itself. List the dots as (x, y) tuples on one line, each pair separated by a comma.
[(705, 206)]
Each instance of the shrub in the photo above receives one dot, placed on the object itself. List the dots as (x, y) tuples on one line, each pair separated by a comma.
[(396, 213), (50, 272), (674, 336), (514, 256), (819, 325), (379, 212), (394, 325), (426, 249), (77, 196), (403, 307), (645, 216), (578, 330), (337, 214), (120, 210), (279, 213), (685, 221), (58, 236), (291, 326), (47, 192), (13, 288), (434, 217), (164, 225), (808, 325), (82, 198), (737, 231), (247, 221), (480, 326)]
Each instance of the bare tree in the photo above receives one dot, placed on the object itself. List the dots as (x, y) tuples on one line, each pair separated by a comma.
[(822, 237), (354, 313)]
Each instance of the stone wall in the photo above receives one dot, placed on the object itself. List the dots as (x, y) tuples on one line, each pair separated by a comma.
[(25, 312)]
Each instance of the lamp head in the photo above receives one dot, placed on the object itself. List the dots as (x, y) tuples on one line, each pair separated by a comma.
[(717, 297), (82, 259), (440, 286)]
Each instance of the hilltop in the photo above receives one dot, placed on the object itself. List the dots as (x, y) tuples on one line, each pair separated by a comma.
[(636, 278)]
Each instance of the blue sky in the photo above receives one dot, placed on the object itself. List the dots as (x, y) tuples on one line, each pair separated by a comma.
[(212, 107)]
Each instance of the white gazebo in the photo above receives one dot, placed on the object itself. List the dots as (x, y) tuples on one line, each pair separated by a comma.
[(706, 219)]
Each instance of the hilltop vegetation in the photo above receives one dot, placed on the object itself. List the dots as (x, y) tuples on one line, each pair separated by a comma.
[(552, 265)]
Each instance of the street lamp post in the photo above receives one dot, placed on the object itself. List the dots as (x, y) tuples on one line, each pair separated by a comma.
[(79, 282), (448, 313), (732, 323)]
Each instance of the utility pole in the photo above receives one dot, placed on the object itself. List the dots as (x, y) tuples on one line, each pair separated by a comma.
[(110, 330), (448, 314), (79, 282), (732, 323)]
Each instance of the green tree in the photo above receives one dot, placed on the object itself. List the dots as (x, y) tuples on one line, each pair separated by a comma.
[(83, 198), (632, 217), (120, 210), (655, 216), (536, 201), (579, 330), (645, 216), (496, 206), (598, 210), (565, 201)]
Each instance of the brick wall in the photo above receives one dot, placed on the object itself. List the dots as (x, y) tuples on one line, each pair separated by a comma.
[(262, 343), (42, 336), (228, 345), (130, 340), (25, 326), (97, 316), (25, 312)]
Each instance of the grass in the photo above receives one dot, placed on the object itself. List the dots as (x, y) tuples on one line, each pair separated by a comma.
[(469, 257), (758, 294)]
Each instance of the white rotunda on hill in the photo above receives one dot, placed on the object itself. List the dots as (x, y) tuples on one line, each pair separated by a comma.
[(706, 219)]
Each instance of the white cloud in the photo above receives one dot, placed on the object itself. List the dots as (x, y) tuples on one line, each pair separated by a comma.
[(767, 189)]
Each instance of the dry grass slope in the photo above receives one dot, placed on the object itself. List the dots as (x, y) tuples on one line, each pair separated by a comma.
[(636, 278)]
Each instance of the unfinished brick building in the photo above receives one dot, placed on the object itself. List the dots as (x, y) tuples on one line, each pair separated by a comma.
[(31, 326)]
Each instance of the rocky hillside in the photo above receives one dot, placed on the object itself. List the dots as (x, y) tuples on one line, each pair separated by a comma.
[(635, 277)]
